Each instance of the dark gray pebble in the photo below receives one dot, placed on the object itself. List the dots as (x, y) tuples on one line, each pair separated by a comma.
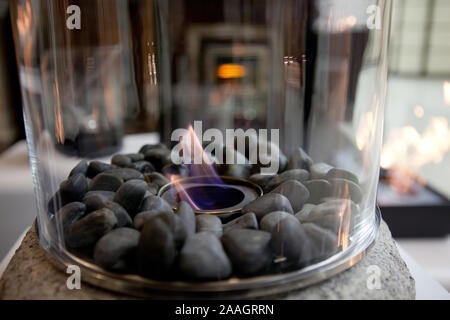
[(156, 178), (336, 173), (148, 147), (156, 251), (86, 231), (135, 156), (268, 203), (295, 191), (318, 189), (209, 223), (203, 258), (187, 216), (126, 174), (116, 251), (323, 241), (346, 189), (121, 160), (261, 179), (142, 166), (248, 250), (75, 187), (299, 159), (303, 214), (246, 221), (158, 158), (96, 167), (81, 167), (153, 202), (95, 203), (319, 170), (106, 195), (300, 175), (70, 213), (272, 220), (105, 182), (130, 195)]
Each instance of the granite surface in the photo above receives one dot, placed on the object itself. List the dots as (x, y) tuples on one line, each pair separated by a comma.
[(381, 274)]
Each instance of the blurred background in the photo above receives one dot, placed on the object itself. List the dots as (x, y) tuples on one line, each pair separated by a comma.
[(414, 190)]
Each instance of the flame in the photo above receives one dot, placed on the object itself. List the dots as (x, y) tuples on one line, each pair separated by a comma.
[(406, 150), (446, 90), (198, 163), (231, 71)]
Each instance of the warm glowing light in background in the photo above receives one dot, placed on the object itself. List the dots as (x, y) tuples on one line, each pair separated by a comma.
[(418, 111), (446, 89), (231, 71), (364, 130)]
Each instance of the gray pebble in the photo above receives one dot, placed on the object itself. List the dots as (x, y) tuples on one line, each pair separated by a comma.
[(333, 215), (74, 188), (290, 244), (336, 173), (86, 231), (142, 166), (135, 156), (235, 170), (153, 202), (319, 170), (116, 250), (95, 203), (268, 203), (105, 182), (299, 159), (126, 174), (346, 189), (71, 213), (148, 147), (300, 175), (246, 221), (97, 167), (187, 215), (323, 241), (130, 195), (156, 251), (209, 223), (158, 158), (261, 179), (248, 250), (121, 160), (81, 167), (303, 214), (106, 195), (318, 189), (156, 178), (265, 161), (272, 220), (203, 258), (295, 191)]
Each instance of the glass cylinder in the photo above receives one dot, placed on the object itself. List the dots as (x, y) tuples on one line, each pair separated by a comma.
[(254, 145)]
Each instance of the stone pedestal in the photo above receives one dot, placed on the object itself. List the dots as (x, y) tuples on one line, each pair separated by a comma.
[(30, 275)]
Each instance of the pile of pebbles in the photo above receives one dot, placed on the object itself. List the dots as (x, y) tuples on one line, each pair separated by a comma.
[(111, 213)]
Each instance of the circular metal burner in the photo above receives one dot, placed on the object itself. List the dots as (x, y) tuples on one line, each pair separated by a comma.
[(213, 198)]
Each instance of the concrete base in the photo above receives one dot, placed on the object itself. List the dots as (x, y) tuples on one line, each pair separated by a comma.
[(382, 274)]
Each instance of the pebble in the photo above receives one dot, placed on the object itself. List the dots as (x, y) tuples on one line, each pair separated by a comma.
[(300, 175), (248, 250), (96, 167), (70, 213), (290, 244), (346, 189), (142, 166), (187, 216), (86, 231), (74, 188), (94, 203), (246, 221), (158, 158), (130, 195), (203, 258), (323, 241), (209, 223), (135, 156), (333, 214), (272, 220), (121, 160), (175, 170), (106, 195), (241, 171), (126, 174), (268, 203), (299, 159), (153, 202), (81, 167), (105, 182), (57, 201), (295, 191), (156, 178), (303, 214), (116, 251), (261, 179), (335, 173), (148, 147), (156, 251), (319, 170), (265, 161), (318, 189)]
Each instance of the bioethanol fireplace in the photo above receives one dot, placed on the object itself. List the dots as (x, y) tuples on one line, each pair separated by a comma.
[(204, 146)]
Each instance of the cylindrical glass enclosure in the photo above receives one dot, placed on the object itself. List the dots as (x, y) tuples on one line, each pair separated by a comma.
[(206, 145)]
